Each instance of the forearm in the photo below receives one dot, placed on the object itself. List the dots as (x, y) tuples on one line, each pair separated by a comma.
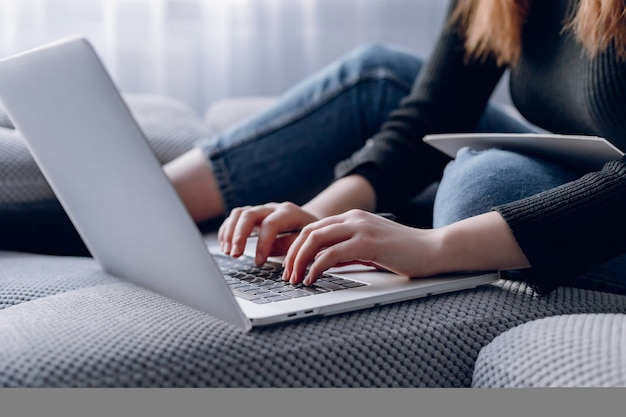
[(346, 193), (483, 242)]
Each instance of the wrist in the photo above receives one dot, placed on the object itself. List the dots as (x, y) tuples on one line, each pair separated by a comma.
[(479, 243), (351, 192), (440, 258)]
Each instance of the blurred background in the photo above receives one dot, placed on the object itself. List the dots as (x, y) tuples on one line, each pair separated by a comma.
[(199, 51)]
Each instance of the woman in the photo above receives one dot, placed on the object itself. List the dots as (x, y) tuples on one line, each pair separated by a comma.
[(367, 113)]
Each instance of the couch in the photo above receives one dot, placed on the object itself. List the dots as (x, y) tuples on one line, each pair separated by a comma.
[(66, 323)]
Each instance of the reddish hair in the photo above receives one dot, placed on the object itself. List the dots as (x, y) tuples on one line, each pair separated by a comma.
[(494, 27)]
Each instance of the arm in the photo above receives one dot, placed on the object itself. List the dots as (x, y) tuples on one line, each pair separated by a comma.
[(351, 192), (572, 228), (484, 242), (449, 95)]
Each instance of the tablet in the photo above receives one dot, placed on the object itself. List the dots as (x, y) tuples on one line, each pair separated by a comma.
[(583, 152)]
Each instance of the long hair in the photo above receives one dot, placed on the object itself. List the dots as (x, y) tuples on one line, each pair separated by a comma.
[(494, 27)]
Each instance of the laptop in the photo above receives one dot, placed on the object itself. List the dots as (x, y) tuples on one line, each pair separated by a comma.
[(100, 166)]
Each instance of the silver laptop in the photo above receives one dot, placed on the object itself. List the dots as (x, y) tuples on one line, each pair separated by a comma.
[(104, 173)]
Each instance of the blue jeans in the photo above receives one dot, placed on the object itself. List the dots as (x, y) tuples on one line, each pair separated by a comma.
[(289, 151)]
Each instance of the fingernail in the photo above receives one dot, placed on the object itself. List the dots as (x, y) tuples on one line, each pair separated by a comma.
[(226, 247), (235, 250)]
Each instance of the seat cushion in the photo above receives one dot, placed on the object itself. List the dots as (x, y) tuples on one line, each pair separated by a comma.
[(92, 330), (579, 350)]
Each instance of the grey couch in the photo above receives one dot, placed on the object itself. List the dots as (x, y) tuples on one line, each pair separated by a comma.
[(65, 323)]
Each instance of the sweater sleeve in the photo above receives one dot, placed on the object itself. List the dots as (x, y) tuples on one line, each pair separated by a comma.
[(570, 229), (449, 95)]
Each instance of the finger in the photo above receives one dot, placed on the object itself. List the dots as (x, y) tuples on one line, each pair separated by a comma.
[(286, 217), (300, 239), (358, 262), (269, 229), (346, 252), (247, 221), (228, 227), (321, 238)]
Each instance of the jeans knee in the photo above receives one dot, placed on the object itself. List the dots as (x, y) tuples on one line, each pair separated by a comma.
[(477, 181), (383, 60)]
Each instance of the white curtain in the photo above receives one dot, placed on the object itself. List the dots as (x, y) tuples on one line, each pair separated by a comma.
[(201, 50)]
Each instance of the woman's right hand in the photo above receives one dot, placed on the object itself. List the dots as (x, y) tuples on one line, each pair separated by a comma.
[(267, 221)]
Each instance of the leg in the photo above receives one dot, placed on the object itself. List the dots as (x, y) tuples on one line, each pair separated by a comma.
[(497, 118), (289, 151), (479, 180), (476, 181)]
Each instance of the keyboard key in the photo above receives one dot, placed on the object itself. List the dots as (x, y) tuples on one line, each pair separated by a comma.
[(314, 290), (245, 296), (296, 293), (328, 285), (277, 297)]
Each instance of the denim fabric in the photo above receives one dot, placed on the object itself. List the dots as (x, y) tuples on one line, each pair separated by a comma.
[(477, 181), (289, 151)]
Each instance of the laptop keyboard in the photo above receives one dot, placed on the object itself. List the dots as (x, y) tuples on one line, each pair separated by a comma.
[(263, 284)]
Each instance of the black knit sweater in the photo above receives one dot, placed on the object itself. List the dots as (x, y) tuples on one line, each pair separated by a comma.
[(563, 232)]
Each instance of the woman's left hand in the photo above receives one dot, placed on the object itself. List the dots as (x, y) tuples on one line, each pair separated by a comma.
[(358, 237)]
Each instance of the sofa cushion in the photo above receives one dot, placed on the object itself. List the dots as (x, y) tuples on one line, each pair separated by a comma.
[(27, 277), (578, 350), (228, 112), (115, 334)]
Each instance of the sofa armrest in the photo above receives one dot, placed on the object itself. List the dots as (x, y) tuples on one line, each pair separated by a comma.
[(228, 112)]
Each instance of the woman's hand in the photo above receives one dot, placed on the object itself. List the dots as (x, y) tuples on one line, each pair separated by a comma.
[(359, 237), (268, 221), (482, 242)]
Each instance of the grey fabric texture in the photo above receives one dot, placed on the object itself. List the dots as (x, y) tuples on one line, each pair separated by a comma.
[(170, 127), (26, 277), (84, 329), (579, 350)]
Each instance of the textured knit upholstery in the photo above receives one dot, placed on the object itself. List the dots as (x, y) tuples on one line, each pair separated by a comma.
[(580, 350), (77, 327)]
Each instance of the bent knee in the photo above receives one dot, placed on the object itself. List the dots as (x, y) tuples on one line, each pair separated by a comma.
[(383, 60), (477, 181)]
